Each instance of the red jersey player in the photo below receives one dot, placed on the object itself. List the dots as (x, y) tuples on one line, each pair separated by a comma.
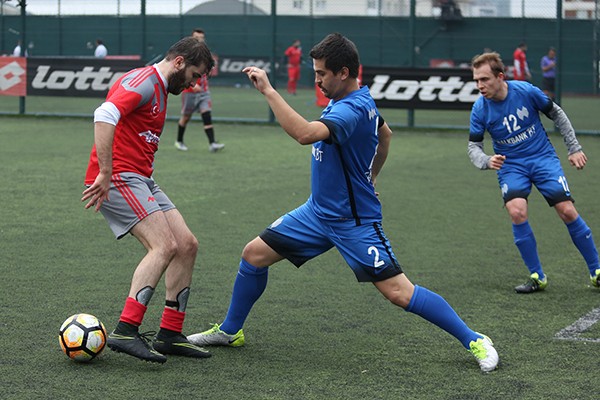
[(293, 54), (521, 69), (197, 99), (127, 130)]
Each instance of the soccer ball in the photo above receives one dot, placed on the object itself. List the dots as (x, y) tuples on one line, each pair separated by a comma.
[(82, 337)]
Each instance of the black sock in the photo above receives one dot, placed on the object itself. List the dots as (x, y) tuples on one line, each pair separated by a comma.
[(180, 132), (210, 134), (124, 328), (165, 333)]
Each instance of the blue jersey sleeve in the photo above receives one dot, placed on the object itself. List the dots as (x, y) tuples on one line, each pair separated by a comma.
[(477, 125), (341, 121), (540, 100)]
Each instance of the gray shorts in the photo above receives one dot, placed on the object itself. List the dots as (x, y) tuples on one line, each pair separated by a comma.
[(132, 198), (195, 102)]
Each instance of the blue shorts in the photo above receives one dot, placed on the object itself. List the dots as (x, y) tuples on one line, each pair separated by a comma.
[(545, 172), (301, 235)]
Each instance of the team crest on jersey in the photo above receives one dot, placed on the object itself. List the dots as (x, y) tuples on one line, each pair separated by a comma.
[(522, 113), (372, 113), (155, 110)]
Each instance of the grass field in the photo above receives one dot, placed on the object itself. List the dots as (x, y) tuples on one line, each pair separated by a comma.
[(315, 333)]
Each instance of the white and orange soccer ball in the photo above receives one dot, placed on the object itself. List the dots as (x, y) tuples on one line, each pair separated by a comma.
[(82, 337)]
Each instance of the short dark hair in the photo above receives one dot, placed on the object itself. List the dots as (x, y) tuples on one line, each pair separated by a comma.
[(492, 58), (198, 30), (338, 52), (193, 52)]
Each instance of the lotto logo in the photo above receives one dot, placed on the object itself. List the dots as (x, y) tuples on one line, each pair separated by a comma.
[(13, 73), (434, 88)]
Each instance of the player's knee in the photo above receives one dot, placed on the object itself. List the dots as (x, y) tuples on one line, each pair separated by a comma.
[(250, 253), (399, 297), (188, 246), (184, 119), (566, 211), (398, 294), (518, 214), (258, 254), (518, 217), (207, 118), (168, 249)]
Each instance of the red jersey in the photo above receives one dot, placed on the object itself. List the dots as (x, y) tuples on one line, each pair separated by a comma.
[(293, 54), (141, 97), (201, 85), (520, 65)]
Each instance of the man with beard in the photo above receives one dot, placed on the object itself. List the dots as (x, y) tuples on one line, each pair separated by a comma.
[(127, 129), (350, 144)]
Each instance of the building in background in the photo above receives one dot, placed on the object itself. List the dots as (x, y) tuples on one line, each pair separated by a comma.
[(581, 9), (574, 9)]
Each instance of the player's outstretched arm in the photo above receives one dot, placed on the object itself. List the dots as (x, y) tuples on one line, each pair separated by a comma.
[(301, 130)]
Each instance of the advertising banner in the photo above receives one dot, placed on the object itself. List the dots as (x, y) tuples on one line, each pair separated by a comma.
[(421, 88), (13, 76), (78, 77)]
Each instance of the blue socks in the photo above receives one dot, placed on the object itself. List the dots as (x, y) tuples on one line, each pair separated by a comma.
[(250, 283), (527, 246), (581, 235), (432, 307)]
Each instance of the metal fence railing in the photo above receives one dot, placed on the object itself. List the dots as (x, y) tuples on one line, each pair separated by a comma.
[(388, 33)]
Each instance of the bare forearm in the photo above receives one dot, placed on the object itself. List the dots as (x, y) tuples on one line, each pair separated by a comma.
[(103, 138), (293, 123), (385, 137)]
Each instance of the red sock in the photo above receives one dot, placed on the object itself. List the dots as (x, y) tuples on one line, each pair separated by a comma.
[(133, 312), (172, 320)]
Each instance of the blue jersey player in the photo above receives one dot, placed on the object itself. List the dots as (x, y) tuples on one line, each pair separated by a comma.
[(524, 156), (349, 146)]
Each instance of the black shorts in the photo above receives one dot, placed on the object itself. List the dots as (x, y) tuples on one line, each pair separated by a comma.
[(548, 84)]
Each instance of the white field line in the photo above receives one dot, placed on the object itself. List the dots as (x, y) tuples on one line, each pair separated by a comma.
[(574, 331)]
